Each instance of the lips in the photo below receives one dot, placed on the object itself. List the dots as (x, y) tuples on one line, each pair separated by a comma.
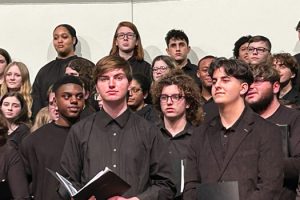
[(111, 92), (74, 108)]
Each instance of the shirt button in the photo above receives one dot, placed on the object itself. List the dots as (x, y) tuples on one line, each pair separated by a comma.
[(225, 136), (115, 150), (170, 152), (115, 134), (114, 166)]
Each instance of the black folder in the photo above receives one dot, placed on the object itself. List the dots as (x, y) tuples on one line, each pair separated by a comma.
[(219, 191)]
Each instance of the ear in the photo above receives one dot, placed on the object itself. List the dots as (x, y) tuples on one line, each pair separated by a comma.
[(187, 106), (244, 88), (167, 50), (146, 95), (276, 87), (189, 49), (293, 76), (74, 40), (198, 73), (86, 95)]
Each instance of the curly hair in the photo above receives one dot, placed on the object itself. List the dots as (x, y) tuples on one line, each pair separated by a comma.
[(188, 87)]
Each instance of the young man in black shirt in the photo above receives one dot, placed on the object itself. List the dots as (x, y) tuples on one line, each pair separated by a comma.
[(116, 138), (42, 149), (263, 99), (232, 146)]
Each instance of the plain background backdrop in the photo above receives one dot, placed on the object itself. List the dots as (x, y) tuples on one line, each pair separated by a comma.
[(211, 25)]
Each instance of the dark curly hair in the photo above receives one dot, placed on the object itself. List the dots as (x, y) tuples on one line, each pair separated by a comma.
[(188, 87), (239, 43)]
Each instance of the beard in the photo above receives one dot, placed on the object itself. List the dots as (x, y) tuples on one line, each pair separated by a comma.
[(262, 104)]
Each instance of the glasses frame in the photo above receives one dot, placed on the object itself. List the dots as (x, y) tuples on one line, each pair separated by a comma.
[(174, 98)]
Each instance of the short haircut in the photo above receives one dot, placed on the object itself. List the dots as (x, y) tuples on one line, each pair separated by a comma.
[(6, 55), (71, 30), (177, 35), (85, 69), (260, 38), (188, 87), (239, 43), (22, 117), (265, 71), (112, 62), (66, 80), (206, 57), (233, 67)]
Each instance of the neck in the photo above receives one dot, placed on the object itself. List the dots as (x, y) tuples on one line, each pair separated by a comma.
[(66, 122), (175, 126), (284, 90), (230, 113), (114, 109), (11, 128), (1, 78), (126, 55), (182, 63), (271, 109), (205, 93), (66, 56)]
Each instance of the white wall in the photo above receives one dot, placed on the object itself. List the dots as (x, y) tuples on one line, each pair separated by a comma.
[(212, 25)]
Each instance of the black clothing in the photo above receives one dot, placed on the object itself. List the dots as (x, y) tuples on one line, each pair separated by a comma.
[(191, 70), (87, 111), (178, 150), (47, 76), (293, 96), (40, 150), (19, 134), (140, 67), (290, 117), (210, 109), (128, 145), (254, 158), (297, 82), (149, 113), (13, 172)]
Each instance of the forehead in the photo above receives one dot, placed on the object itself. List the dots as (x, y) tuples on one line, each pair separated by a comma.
[(244, 45), (177, 41), (125, 29), (14, 68), (206, 62), (219, 72), (70, 88), (11, 100), (170, 89), (160, 63), (2, 57), (134, 83), (113, 72), (61, 30), (258, 44)]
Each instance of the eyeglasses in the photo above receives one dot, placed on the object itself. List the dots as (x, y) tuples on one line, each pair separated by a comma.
[(128, 35), (174, 98), (259, 50), (161, 68), (135, 90)]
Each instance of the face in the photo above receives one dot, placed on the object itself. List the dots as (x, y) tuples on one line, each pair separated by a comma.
[(243, 52), (53, 111), (261, 94), (178, 50), (286, 75), (71, 72), (160, 68), (13, 78), (136, 96), (3, 64), (258, 52), (69, 100), (63, 42), (113, 86), (202, 72), (126, 39), (173, 107), (11, 107), (227, 90)]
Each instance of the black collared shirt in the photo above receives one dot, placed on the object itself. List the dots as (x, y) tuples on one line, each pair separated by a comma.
[(129, 145), (140, 67), (191, 70)]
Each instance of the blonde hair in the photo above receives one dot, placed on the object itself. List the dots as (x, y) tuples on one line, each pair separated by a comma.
[(25, 88), (43, 117)]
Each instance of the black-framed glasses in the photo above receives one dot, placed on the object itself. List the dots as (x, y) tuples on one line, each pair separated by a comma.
[(161, 68), (259, 50), (123, 35), (174, 98)]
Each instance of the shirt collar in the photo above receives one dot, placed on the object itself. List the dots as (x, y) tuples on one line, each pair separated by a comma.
[(120, 120)]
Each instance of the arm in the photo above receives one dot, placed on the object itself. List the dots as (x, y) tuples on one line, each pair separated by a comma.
[(17, 177), (270, 165), (36, 95), (161, 176)]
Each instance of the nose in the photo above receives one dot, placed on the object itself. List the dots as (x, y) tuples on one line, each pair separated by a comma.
[(73, 99), (130, 92), (169, 101), (9, 107), (111, 82)]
